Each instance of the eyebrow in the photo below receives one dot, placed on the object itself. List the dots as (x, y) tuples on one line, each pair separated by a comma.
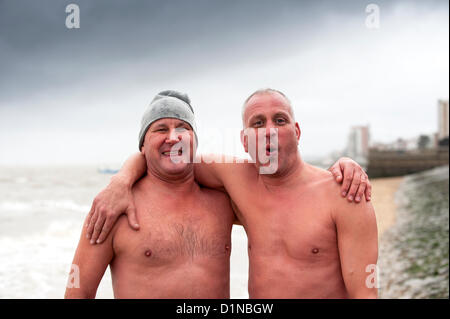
[(161, 125), (256, 117), (281, 113), (261, 116)]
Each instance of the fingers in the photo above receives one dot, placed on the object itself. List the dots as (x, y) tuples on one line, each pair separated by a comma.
[(91, 225), (354, 187), (368, 192), (98, 228), (107, 226), (132, 218), (348, 179), (91, 212), (109, 222), (336, 171), (361, 189)]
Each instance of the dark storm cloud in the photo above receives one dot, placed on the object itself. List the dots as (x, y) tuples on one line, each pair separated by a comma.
[(163, 37), (149, 39)]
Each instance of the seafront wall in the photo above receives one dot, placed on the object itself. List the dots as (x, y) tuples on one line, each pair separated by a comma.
[(398, 163), (413, 254)]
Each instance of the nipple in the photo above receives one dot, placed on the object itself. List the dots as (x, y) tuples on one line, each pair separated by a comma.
[(148, 253), (227, 247), (315, 250)]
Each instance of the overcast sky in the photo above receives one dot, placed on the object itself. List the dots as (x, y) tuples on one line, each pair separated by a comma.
[(77, 95)]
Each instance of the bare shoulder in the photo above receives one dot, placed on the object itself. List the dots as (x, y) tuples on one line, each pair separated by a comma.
[(340, 207), (119, 227), (323, 180), (214, 196), (323, 185), (228, 164), (216, 200)]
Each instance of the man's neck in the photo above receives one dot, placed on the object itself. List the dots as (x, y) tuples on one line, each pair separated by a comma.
[(180, 184), (290, 177)]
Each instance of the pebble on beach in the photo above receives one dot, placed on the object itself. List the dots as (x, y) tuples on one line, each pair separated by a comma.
[(413, 254)]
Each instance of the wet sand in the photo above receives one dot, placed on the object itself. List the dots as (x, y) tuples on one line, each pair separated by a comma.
[(413, 252), (383, 200)]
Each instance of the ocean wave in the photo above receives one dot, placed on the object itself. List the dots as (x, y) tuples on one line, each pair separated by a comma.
[(21, 206)]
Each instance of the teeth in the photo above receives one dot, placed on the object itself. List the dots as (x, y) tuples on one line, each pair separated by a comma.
[(171, 153)]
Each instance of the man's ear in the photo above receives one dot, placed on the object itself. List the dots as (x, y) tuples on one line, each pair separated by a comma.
[(142, 149), (244, 140), (298, 132)]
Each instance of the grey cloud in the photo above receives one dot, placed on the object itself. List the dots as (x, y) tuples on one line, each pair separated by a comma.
[(148, 39)]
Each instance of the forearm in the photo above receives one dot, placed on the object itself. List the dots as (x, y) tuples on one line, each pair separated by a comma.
[(206, 172), (88, 267), (78, 293), (365, 294), (358, 248), (132, 170)]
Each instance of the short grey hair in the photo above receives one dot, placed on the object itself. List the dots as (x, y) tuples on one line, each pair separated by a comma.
[(266, 91)]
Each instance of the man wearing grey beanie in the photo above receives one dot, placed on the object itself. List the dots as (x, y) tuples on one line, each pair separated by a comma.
[(168, 104), (183, 247), (294, 216)]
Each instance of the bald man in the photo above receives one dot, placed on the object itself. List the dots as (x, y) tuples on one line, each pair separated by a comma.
[(305, 240)]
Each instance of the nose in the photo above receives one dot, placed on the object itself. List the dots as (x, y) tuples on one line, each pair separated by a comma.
[(174, 137), (271, 129)]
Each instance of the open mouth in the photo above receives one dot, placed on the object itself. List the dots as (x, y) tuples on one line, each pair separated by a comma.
[(270, 149), (173, 153)]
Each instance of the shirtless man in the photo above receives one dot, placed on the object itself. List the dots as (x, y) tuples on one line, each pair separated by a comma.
[(183, 247), (304, 239)]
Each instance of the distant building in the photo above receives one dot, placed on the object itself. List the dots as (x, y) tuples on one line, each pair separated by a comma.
[(443, 119), (358, 143), (420, 142)]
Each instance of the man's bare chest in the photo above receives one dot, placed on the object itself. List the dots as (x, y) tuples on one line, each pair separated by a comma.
[(300, 228), (164, 239)]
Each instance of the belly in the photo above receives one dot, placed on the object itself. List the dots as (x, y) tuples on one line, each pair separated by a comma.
[(183, 278), (171, 260), (281, 276)]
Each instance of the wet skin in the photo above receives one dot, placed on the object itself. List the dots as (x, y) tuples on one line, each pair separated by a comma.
[(181, 251), (305, 239), (183, 247)]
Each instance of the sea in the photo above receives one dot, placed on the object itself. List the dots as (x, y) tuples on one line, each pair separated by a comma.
[(42, 210)]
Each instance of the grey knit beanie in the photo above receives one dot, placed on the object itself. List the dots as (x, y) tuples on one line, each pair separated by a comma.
[(168, 104)]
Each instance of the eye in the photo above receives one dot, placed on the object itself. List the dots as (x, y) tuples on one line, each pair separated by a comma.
[(181, 129), (280, 120), (258, 123)]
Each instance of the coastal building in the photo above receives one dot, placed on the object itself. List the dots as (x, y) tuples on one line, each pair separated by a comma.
[(443, 114), (358, 143)]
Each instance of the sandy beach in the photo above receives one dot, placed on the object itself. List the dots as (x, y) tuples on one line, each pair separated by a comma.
[(413, 244), (42, 212), (383, 201)]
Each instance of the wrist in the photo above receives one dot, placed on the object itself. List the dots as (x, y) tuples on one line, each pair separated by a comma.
[(122, 180)]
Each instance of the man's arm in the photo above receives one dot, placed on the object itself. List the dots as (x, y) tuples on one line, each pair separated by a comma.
[(209, 170), (89, 265), (358, 247), (355, 182), (116, 199)]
